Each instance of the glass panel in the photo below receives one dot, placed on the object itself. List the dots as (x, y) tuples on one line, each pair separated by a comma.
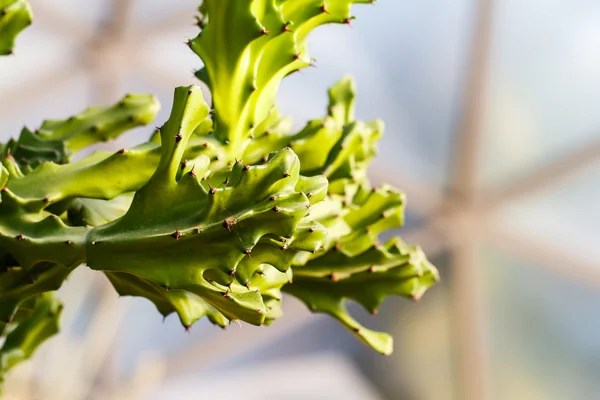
[(544, 85)]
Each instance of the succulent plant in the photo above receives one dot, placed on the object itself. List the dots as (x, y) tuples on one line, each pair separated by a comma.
[(15, 15), (223, 209)]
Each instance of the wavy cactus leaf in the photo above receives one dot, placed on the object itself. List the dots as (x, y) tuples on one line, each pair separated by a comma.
[(101, 124), (30, 333), (30, 151), (15, 15), (211, 238), (383, 274), (188, 306), (247, 48)]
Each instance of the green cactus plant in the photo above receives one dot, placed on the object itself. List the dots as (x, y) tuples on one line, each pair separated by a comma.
[(15, 15), (223, 209)]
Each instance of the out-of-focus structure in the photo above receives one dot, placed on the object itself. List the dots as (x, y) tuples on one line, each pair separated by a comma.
[(493, 131)]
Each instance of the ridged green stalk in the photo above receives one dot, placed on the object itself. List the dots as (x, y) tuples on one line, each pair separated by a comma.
[(15, 15)]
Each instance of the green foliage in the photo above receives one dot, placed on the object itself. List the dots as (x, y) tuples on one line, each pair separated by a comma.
[(223, 209), (15, 15)]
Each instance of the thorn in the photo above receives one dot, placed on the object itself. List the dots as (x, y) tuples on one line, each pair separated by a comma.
[(265, 159), (334, 277), (287, 175), (177, 235), (183, 164), (264, 31), (212, 189), (93, 243), (377, 246), (356, 330), (247, 251), (284, 247), (205, 144), (131, 118), (46, 200), (188, 43), (286, 27), (283, 239), (20, 237), (165, 287), (372, 269), (212, 111), (260, 272), (94, 128), (37, 131), (68, 242), (192, 173), (227, 141), (227, 224), (226, 294), (178, 137), (274, 197), (368, 229), (190, 91), (246, 168), (374, 312), (122, 151), (276, 208), (226, 181), (247, 284), (311, 230), (339, 247), (324, 9), (187, 328)]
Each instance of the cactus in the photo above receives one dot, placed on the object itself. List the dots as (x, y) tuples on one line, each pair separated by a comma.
[(223, 209), (15, 15)]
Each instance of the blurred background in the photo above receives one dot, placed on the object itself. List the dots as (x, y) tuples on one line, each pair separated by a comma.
[(493, 131)]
